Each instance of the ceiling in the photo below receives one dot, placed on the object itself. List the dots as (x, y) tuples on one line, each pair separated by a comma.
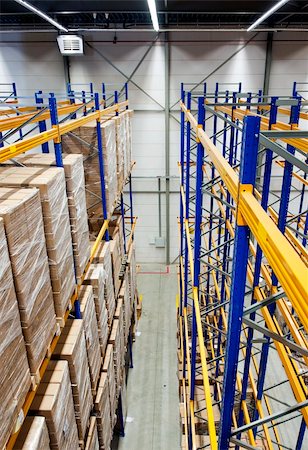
[(180, 14)]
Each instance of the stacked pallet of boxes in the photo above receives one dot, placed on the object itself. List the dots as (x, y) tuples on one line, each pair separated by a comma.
[(33, 435), (54, 401), (51, 184), (84, 141), (15, 375), (75, 188), (22, 215)]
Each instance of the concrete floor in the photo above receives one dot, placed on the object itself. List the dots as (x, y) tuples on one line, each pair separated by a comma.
[(152, 390)]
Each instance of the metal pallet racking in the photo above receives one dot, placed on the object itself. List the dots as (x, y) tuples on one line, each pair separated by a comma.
[(243, 292), (78, 108)]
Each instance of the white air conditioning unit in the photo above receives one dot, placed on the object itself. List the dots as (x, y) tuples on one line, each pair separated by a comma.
[(70, 44)]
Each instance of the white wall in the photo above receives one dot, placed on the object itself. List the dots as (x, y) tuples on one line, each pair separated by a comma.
[(193, 56)]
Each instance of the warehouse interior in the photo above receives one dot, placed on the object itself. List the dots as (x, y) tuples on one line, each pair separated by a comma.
[(154, 224)]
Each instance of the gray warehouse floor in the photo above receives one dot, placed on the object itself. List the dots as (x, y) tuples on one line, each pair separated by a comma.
[(152, 393)]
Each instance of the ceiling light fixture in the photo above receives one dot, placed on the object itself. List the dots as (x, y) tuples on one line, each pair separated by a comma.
[(267, 14), (41, 14), (153, 12)]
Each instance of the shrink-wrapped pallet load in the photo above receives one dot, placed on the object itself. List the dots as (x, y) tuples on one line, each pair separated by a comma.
[(15, 378), (33, 435), (120, 148), (51, 184), (127, 307), (83, 140), (92, 442), (95, 277), (128, 143), (132, 275), (71, 347), (88, 314), (75, 188), (102, 410), (116, 262), (116, 338), (22, 216), (103, 257), (108, 367), (54, 401)]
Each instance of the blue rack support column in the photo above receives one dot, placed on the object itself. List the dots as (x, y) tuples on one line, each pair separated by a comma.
[(181, 201), (101, 162), (126, 93), (249, 155), (59, 163), (42, 123), (71, 96), (16, 99), (197, 244), (104, 94)]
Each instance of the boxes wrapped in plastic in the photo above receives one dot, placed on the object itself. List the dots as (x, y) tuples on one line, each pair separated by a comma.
[(91, 334), (103, 257), (15, 378), (83, 140), (51, 184), (116, 259), (132, 275), (33, 435), (22, 215), (75, 188), (71, 347), (95, 277), (92, 438), (128, 142), (108, 367), (54, 401), (127, 307), (116, 338), (120, 141), (102, 410)]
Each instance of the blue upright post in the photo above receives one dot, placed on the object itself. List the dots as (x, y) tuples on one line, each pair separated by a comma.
[(101, 163), (83, 96), (55, 123), (301, 435), (15, 97), (71, 96), (42, 123), (186, 171), (197, 241), (91, 89), (249, 155), (116, 100), (182, 149), (123, 222), (104, 94), (126, 93)]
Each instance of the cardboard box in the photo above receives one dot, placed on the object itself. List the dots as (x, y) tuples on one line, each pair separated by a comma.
[(33, 435), (95, 277), (51, 184), (71, 347), (92, 439), (103, 257), (22, 215), (102, 410), (15, 378), (116, 262), (116, 338), (108, 367), (88, 314), (75, 188), (54, 401)]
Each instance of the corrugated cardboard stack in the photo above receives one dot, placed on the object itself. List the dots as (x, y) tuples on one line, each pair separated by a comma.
[(92, 439), (33, 435), (103, 257), (116, 338), (91, 334), (75, 188), (22, 215), (108, 367), (132, 275), (128, 142), (76, 142), (54, 401), (51, 184), (96, 278), (116, 262), (102, 409), (14, 375), (71, 347), (127, 307), (120, 140)]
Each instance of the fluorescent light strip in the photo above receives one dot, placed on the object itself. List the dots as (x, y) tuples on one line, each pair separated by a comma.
[(153, 12), (267, 14), (41, 14)]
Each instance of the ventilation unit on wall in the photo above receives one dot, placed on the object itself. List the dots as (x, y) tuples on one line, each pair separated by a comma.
[(70, 44)]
